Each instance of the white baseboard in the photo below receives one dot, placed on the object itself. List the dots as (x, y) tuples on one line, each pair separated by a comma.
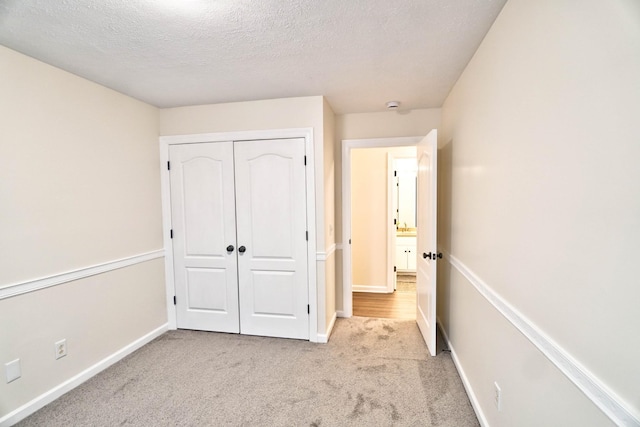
[(465, 381), (324, 338), (371, 289), (341, 313), (44, 399)]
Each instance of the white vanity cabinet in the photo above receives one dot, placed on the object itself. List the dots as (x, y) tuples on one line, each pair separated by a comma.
[(406, 253)]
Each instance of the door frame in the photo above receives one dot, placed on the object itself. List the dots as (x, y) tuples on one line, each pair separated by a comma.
[(347, 146), (391, 239), (307, 134)]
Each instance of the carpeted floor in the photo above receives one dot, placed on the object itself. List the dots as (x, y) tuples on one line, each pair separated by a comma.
[(406, 283), (373, 372)]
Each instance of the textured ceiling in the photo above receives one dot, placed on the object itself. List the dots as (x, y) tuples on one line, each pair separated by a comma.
[(358, 53)]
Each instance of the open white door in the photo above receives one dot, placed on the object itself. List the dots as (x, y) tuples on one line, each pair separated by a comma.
[(427, 244)]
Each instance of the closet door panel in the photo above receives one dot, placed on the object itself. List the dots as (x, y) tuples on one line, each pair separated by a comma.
[(271, 226), (203, 222)]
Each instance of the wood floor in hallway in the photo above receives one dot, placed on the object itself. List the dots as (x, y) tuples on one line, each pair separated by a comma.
[(401, 304)]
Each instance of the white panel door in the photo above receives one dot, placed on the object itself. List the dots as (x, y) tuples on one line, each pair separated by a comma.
[(427, 243), (204, 236), (272, 243)]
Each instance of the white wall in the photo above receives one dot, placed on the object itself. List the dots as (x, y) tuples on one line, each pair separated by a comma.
[(386, 124), (540, 189), (304, 112), (79, 186)]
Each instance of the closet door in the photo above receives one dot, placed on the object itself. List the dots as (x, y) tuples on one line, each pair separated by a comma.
[(272, 225), (204, 236)]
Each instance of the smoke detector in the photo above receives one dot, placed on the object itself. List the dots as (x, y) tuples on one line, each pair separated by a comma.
[(393, 105)]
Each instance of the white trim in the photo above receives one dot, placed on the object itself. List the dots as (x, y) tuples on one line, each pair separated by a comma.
[(340, 313), (307, 134), (338, 246), (391, 227), (590, 385), (15, 289), (465, 380), (165, 186), (347, 146), (49, 396), (323, 256), (324, 338), (383, 289), (237, 136)]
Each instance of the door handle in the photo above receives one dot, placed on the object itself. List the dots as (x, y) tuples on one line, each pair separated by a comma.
[(432, 256), (230, 248), (242, 249)]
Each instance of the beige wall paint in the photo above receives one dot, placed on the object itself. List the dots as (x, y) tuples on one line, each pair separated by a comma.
[(369, 217), (386, 124), (540, 158), (79, 182), (78, 172), (239, 116)]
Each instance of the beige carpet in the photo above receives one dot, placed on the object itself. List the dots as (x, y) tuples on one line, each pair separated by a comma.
[(405, 283), (373, 372)]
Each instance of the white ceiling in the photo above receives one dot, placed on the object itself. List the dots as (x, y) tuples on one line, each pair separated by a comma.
[(358, 53)]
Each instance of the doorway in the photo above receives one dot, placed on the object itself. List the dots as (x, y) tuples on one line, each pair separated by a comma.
[(379, 278), (383, 231)]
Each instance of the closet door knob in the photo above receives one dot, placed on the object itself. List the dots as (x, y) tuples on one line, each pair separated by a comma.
[(230, 248), (241, 249)]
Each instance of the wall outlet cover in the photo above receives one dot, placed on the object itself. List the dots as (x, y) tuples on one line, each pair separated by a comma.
[(497, 398), (13, 370), (61, 348)]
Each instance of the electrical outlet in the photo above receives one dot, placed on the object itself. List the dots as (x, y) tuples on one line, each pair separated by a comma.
[(497, 396), (61, 348), (12, 370)]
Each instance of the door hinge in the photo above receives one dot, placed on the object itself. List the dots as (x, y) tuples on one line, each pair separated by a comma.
[(395, 221), (174, 300), (307, 235), (308, 309), (168, 166), (349, 241), (171, 233), (305, 160), (395, 173), (395, 268)]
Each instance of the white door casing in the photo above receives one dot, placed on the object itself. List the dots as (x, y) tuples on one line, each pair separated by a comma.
[(203, 217), (427, 239), (272, 227), (316, 289)]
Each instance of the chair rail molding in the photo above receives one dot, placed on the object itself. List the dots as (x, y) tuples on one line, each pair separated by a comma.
[(15, 289)]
